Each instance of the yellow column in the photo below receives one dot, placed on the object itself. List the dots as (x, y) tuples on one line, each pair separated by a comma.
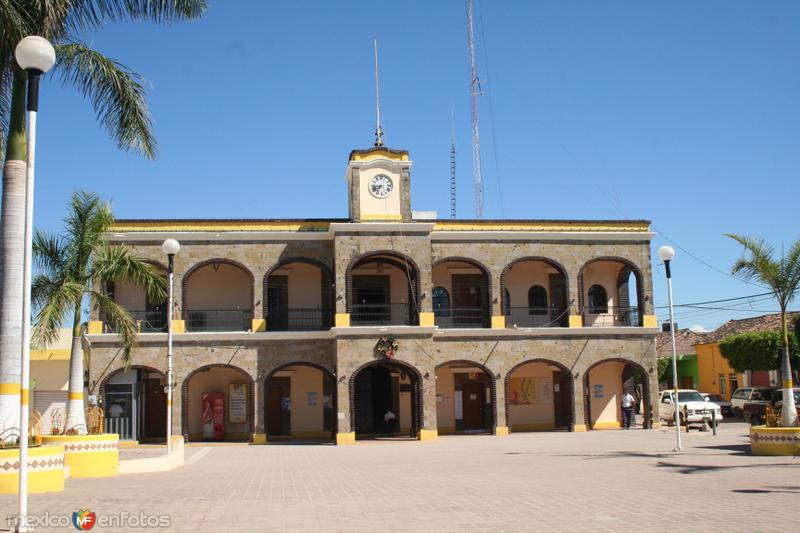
[(575, 321), (499, 322), (95, 327), (426, 319), (342, 320), (649, 321), (259, 324)]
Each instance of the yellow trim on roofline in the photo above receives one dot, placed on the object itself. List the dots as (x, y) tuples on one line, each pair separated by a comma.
[(567, 226), (50, 355)]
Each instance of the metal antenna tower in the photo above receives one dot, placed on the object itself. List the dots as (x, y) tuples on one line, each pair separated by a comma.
[(475, 91), (452, 166)]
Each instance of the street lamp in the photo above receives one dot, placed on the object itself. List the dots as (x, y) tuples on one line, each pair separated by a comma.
[(36, 56), (170, 247), (666, 253)]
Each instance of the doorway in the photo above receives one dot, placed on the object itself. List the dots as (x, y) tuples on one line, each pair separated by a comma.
[(385, 400)]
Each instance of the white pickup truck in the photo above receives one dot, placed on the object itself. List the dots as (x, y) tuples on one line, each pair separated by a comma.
[(697, 410)]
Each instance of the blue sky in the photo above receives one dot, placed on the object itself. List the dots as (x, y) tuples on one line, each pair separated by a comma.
[(685, 113)]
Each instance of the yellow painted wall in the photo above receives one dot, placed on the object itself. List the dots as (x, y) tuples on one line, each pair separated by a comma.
[(541, 412), (710, 364), (379, 206), (305, 285), (606, 409), (445, 398), (215, 380), (523, 276), (226, 288), (306, 417), (50, 375)]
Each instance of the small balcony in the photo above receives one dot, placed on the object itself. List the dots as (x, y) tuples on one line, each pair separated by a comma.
[(219, 320), (533, 317), (150, 321), (462, 317), (388, 314), (300, 320), (610, 317)]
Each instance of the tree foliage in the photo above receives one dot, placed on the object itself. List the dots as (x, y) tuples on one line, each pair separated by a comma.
[(757, 351)]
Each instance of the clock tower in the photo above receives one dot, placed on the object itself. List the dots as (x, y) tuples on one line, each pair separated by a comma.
[(378, 181)]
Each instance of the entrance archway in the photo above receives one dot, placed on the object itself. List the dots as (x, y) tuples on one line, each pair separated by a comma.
[(386, 400), (217, 404), (540, 396), (605, 382), (300, 402), (135, 404), (465, 398)]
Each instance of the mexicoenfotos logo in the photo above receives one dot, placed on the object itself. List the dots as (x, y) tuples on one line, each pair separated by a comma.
[(83, 519)]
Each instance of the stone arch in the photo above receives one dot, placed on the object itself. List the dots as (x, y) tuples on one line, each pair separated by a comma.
[(492, 383), (188, 274), (629, 267), (327, 374), (417, 414), (400, 261), (102, 387), (647, 407), (185, 395), (560, 366), (477, 264), (567, 304), (327, 276)]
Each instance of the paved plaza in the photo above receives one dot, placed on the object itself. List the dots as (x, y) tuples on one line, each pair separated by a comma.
[(596, 481)]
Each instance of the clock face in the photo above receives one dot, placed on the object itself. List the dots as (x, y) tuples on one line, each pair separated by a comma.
[(380, 186)]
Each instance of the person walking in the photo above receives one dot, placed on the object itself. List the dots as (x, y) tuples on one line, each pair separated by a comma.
[(628, 402)]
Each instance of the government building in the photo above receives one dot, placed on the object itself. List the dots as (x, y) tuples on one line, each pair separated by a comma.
[(383, 325)]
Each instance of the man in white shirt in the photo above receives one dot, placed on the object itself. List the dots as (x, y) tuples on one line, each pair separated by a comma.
[(628, 401)]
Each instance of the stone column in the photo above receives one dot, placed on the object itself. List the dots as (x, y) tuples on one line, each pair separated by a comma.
[(578, 410), (259, 422), (501, 424), (429, 430)]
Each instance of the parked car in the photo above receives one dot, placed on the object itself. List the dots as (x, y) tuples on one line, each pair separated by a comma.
[(754, 411), (697, 409), (742, 395), (720, 400)]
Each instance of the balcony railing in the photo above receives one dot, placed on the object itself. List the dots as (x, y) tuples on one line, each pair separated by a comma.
[(150, 321), (462, 317), (120, 425), (610, 317), (219, 320), (534, 317), (389, 314), (300, 320)]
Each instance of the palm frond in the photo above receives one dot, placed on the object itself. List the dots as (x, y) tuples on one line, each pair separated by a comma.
[(87, 223), (760, 265), (117, 94), (50, 252), (53, 301), (120, 321), (791, 268), (113, 263), (14, 24), (85, 14)]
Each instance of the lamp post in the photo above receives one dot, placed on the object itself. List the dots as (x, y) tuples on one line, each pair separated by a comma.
[(666, 253), (36, 56), (170, 247)]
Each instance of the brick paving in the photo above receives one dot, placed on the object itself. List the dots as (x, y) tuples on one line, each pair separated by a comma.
[(596, 481)]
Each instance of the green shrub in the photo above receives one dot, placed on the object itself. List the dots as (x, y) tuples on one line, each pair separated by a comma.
[(757, 351)]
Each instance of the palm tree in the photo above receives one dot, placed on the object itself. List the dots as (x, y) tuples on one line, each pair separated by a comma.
[(78, 264), (118, 97), (782, 276)]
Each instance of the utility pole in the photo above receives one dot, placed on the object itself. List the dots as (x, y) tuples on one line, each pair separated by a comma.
[(475, 91)]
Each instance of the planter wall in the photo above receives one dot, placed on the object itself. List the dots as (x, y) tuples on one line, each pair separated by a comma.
[(45, 470), (89, 455), (774, 441)]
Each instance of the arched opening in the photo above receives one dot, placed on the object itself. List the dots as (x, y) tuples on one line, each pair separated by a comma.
[(298, 296), (540, 396), (386, 400), (218, 404), (604, 385), (218, 296), (300, 403), (150, 316), (383, 290), (610, 293), (468, 284), (535, 293), (465, 398), (134, 404)]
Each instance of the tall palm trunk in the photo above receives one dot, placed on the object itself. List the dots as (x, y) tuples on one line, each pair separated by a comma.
[(789, 410), (76, 418), (12, 247)]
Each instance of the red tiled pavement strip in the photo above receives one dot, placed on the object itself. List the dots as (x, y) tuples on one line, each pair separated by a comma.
[(596, 481)]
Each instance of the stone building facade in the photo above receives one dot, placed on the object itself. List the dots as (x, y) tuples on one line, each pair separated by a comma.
[(499, 326)]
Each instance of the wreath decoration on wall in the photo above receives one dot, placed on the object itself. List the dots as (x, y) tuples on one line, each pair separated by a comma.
[(387, 346)]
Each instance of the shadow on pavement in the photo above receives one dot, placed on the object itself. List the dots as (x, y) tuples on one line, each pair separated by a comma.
[(698, 469), (769, 490), (738, 449)]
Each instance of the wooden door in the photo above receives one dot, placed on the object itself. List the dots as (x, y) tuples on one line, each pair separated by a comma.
[(155, 417), (473, 400), (278, 303), (469, 299), (275, 415)]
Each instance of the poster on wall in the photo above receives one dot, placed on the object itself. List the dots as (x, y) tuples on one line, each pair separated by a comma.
[(237, 403), (311, 398), (521, 391), (457, 405), (213, 420), (598, 391)]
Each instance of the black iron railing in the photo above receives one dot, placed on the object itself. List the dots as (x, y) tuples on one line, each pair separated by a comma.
[(219, 320), (600, 317), (389, 314), (150, 321), (300, 320), (462, 317), (534, 317)]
